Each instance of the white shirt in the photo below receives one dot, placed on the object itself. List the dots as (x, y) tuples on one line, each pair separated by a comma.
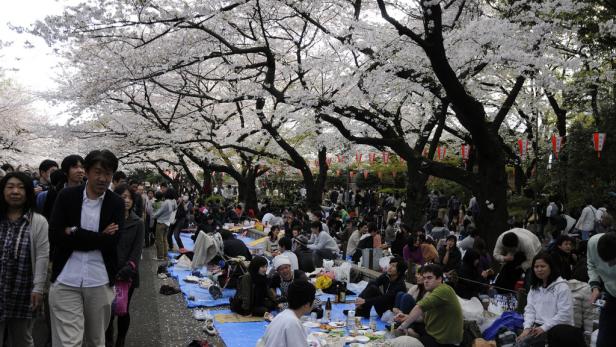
[(285, 330), (293, 258), (588, 218), (86, 269)]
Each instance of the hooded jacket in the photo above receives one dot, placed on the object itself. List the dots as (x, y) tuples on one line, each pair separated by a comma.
[(549, 306), (584, 313)]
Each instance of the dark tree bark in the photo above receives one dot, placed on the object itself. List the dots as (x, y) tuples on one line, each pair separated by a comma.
[(491, 177)]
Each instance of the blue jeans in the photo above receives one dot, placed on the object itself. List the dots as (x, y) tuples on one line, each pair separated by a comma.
[(404, 302)]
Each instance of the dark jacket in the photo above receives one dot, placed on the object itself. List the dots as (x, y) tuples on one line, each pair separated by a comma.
[(453, 262), (130, 244), (243, 301), (388, 289), (564, 262), (234, 247), (67, 213)]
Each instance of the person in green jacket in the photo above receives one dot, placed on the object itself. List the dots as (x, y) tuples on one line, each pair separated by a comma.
[(444, 323)]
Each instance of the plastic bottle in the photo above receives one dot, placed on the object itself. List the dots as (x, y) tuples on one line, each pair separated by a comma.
[(351, 320), (328, 310)]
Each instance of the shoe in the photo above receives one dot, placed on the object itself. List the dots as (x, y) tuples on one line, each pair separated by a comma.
[(162, 276), (166, 289), (191, 279), (199, 314), (209, 327)]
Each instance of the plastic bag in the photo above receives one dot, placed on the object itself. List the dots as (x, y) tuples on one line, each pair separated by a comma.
[(343, 272), (384, 263), (328, 265), (120, 302), (472, 309)]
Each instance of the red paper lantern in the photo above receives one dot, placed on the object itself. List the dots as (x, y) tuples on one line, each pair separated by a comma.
[(441, 152), (556, 144), (340, 158), (366, 174), (523, 148), (465, 151), (598, 139), (358, 157), (385, 157)]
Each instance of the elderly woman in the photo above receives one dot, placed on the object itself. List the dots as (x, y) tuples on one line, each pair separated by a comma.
[(24, 256)]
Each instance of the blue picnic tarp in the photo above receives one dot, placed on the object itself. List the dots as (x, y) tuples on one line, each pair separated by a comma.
[(202, 297), (252, 331)]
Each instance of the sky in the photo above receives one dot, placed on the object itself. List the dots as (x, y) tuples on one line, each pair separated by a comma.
[(34, 67)]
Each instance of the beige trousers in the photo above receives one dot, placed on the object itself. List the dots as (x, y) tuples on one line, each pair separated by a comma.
[(162, 247), (79, 315)]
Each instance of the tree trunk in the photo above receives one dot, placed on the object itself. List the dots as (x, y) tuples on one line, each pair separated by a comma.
[(241, 190), (316, 185), (250, 194), (415, 196), (492, 196), (207, 182)]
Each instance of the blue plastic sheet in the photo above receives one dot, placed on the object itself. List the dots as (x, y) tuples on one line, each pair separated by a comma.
[(240, 334), (189, 244), (202, 297), (252, 331)]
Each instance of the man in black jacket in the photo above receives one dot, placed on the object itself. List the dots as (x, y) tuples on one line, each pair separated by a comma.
[(381, 293), (83, 232)]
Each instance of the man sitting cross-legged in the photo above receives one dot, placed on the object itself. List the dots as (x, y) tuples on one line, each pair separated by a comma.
[(444, 323)]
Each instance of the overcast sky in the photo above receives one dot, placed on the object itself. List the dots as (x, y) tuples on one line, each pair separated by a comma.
[(31, 67)]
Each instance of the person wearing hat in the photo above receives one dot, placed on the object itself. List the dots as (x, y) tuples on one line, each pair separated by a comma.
[(283, 277), (303, 253)]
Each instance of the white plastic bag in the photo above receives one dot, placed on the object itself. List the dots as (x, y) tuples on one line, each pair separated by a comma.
[(343, 272), (328, 265), (472, 309), (384, 263)]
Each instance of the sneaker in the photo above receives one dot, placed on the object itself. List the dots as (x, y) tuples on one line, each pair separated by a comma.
[(209, 327), (162, 276), (200, 314)]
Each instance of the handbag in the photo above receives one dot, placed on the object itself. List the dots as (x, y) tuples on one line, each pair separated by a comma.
[(120, 302)]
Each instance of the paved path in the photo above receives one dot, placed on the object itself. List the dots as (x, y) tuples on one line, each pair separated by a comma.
[(156, 320)]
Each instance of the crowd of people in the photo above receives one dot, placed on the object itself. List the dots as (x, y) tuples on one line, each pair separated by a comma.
[(69, 232)]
